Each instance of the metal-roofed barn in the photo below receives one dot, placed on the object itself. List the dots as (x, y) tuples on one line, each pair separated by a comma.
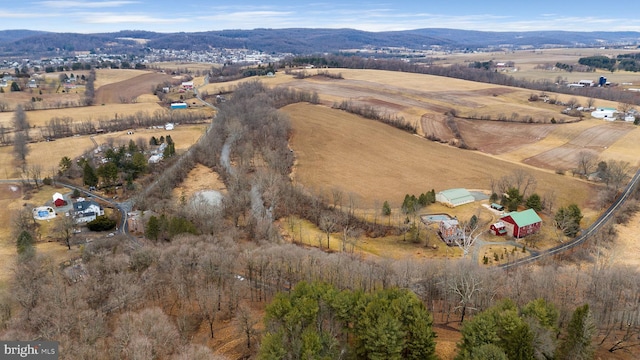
[(522, 223), (455, 197)]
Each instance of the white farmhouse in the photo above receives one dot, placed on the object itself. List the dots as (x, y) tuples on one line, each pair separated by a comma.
[(86, 210)]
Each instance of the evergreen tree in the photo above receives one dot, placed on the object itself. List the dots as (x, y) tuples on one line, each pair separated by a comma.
[(152, 229), (386, 209), (25, 244), (568, 219), (513, 199), (578, 344), (423, 199), (65, 165), (500, 325), (534, 202), (90, 178)]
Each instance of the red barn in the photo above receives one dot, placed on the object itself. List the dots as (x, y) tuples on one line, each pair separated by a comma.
[(58, 200), (498, 228), (522, 223)]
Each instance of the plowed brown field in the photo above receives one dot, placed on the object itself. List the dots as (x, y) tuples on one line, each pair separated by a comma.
[(130, 89)]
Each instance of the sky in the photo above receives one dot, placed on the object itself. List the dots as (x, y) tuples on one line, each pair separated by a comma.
[(95, 16)]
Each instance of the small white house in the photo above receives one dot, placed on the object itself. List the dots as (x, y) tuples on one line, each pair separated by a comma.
[(169, 126)]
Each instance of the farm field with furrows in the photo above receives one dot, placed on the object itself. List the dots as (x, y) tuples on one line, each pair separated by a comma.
[(376, 162), (128, 90), (424, 99)]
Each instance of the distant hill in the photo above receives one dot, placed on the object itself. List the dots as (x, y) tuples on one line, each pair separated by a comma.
[(298, 41)]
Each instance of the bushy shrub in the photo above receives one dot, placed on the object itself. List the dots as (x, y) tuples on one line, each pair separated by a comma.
[(101, 223)]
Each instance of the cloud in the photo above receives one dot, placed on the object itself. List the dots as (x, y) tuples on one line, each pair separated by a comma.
[(112, 18), (70, 4), (15, 15)]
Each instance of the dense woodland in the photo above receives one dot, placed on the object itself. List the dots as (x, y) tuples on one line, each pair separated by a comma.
[(162, 299)]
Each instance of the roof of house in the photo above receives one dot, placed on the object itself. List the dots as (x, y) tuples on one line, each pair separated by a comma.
[(498, 224), (84, 205), (524, 218), (57, 196), (449, 223), (457, 196)]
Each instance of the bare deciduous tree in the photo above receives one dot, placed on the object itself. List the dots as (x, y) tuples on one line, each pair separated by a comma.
[(20, 147), (465, 284), (328, 224), (246, 322), (587, 160)]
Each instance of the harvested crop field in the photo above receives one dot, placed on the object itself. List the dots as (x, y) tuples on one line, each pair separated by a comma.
[(130, 89), (78, 114), (424, 100), (376, 162), (111, 76), (596, 139)]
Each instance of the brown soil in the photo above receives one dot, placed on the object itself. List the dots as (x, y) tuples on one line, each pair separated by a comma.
[(128, 90), (497, 137), (597, 139)]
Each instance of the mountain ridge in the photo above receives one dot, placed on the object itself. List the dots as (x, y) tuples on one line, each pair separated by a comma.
[(300, 40)]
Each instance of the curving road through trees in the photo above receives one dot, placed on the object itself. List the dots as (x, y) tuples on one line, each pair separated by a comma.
[(591, 230)]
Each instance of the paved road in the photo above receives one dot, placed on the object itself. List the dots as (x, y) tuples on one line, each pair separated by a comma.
[(123, 207), (591, 230)]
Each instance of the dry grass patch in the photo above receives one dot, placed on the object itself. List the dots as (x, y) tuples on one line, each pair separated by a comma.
[(10, 203), (200, 178), (627, 246), (41, 118)]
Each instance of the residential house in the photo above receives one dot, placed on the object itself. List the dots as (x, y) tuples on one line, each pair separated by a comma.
[(86, 210), (522, 223), (450, 231)]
